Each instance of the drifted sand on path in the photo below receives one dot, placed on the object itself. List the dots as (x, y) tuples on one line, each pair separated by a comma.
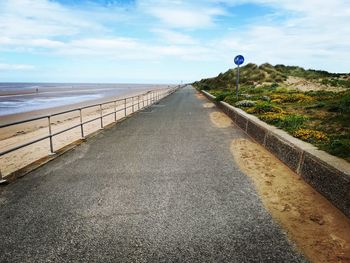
[(319, 230), (220, 119), (208, 105)]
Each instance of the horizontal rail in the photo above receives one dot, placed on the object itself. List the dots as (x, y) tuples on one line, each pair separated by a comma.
[(71, 110), (24, 145), (68, 129), (155, 95)]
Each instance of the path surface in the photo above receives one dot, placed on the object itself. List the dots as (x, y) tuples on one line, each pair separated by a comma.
[(159, 187)]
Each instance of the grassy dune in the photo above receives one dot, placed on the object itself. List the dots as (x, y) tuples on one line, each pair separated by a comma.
[(311, 105)]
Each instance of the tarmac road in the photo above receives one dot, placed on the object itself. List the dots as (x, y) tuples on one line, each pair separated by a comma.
[(160, 186)]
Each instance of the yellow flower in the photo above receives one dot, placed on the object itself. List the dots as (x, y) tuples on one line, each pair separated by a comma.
[(308, 134), (272, 117), (297, 97)]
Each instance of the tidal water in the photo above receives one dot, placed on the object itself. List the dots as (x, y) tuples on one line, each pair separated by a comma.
[(27, 97)]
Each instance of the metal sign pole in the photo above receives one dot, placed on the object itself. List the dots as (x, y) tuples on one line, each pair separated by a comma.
[(239, 60), (237, 81)]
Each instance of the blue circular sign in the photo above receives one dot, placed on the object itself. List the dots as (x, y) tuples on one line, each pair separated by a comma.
[(239, 60)]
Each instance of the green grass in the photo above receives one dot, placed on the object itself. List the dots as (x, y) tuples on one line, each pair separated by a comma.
[(317, 112)]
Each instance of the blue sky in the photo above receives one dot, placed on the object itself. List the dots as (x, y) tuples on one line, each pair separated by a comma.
[(148, 41)]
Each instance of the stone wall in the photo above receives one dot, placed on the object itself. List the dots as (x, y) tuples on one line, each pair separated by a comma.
[(327, 174)]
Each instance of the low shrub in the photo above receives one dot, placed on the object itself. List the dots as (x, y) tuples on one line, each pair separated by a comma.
[(231, 99), (288, 98), (281, 90), (245, 95), (258, 90), (274, 86), (338, 146), (289, 122), (345, 103), (342, 105), (318, 105), (265, 98), (220, 96), (265, 106), (292, 122), (272, 118), (310, 135), (245, 103)]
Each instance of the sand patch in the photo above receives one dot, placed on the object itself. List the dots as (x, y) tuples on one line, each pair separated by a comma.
[(320, 230), (220, 120), (200, 96), (208, 105), (306, 85)]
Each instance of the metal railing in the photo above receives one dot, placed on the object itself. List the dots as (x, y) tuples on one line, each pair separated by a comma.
[(148, 98)]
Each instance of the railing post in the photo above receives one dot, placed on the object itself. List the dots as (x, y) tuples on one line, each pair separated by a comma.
[(143, 100), (125, 107), (115, 111), (138, 102), (1, 181), (81, 124), (101, 116), (50, 136), (132, 101)]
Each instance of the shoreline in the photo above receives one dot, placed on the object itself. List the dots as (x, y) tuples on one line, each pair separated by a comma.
[(6, 119)]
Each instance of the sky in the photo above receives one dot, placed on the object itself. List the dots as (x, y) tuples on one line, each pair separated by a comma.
[(173, 41)]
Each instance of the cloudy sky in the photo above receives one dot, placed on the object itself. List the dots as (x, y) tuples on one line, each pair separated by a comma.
[(148, 41)]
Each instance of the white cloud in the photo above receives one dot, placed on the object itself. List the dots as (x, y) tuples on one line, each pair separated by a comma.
[(42, 18), (183, 18), (182, 14), (11, 67), (174, 37), (312, 33)]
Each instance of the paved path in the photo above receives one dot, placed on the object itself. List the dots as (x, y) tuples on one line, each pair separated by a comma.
[(159, 187)]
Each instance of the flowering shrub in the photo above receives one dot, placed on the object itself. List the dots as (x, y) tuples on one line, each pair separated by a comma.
[(289, 122), (272, 117), (247, 96), (296, 97), (265, 98), (264, 107), (310, 135), (277, 101), (245, 103)]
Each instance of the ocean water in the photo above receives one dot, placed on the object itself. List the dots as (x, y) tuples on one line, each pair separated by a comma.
[(27, 97)]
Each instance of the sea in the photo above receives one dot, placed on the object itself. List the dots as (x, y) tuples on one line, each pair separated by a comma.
[(27, 97)]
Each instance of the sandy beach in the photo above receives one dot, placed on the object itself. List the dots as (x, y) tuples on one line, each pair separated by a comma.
[(22, 133)]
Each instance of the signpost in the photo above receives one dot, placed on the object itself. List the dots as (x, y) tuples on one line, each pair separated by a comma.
[(239, 60)]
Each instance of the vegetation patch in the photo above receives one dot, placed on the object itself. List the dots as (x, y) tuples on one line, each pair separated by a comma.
[(245, 103), (287, 98), (321, 117), (265, 107), (310, 135)]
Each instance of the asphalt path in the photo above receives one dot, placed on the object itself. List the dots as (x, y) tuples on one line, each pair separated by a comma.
[(161, 186)]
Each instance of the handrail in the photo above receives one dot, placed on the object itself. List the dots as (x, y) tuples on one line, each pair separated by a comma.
[(71, 110), (154, 95)]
